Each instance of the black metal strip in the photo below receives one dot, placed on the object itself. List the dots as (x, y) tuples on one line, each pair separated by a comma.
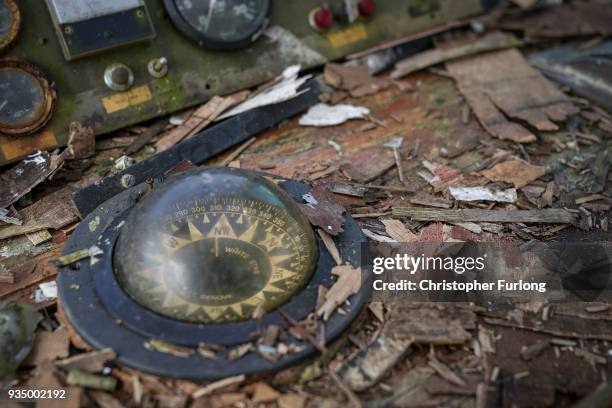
[(198, 148)]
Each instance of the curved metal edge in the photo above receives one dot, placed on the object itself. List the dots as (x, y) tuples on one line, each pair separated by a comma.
[(186, 29)]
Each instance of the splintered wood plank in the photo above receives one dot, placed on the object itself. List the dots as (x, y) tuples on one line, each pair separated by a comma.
[(22, 178), (501, 85), (546, 216)]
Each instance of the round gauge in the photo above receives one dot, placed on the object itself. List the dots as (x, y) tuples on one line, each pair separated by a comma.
[(214, 246), (10, 20), (26, 98), (220, 24)]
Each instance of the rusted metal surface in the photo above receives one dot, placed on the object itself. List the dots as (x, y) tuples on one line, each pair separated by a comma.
[(42, 113), (13, 30)]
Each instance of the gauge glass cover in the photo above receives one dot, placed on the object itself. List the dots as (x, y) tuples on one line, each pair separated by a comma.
[(224, 23), (22, 98), (213, 246)]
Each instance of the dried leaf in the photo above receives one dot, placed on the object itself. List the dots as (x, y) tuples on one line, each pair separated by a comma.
[(348, 283)]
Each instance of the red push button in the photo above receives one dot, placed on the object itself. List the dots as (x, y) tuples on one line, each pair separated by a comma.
[(367, 8), (321, 18)]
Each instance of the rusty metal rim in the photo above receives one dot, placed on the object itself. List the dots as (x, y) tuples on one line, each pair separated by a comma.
[(14, 29), (43, 114)]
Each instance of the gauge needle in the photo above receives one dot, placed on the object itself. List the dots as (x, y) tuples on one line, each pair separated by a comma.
[(211, 9), (3, 104), (216, 247)]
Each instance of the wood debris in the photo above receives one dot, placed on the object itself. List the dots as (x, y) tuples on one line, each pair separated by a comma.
[(429, 200), (264, 393), (501, 84), (53, 211), (323, 210), (398, 231), (91, 253), (370, 365), (39, 237), (81, 142), (200, 119), (517, 172), (168, 348), (93, 361), (445, 372), (428, 325), (446, 52), (368, 164), (355, 80), (348, 283), (89, 380), (545, 216), (22, 178), (218, 385), (329, 243), (49, 346)]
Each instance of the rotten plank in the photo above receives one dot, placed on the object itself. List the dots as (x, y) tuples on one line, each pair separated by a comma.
[(500, 85), (545, 216)]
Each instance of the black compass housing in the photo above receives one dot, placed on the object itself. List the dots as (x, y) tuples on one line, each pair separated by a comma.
[(109, 312)]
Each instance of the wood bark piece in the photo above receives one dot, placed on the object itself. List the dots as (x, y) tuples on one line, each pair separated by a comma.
[(93, 361), (201, 118), (368, 164), (545, 216), (488, 42), (502, 84), (323, 211), (81, 142), (22, 178), (518, 172), (368, 367), (357, 81)]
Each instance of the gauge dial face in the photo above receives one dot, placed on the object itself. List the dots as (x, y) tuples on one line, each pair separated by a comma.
[(10, 20), (219, 258), (220, 24), (25, 98)]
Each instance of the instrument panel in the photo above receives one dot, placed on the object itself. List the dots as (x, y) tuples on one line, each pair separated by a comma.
[(114, 63)]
